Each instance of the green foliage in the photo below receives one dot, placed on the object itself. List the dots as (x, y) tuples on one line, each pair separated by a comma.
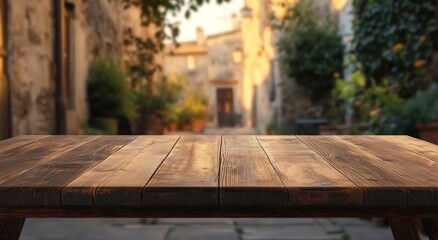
[(424, 106), (312, 51), (193, 106), (108, 95), (395, 40), (377, 106), (156, 13), (159, 101)]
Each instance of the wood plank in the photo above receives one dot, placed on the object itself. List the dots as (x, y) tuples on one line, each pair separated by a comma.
[(420, 172), (20, 159), (120, 179), (41, 185), (310, 180), (423, 148), (14, 142), (188, 176), (431, 227), (10, 228), (247, 177), (381, 187), (403, 229)]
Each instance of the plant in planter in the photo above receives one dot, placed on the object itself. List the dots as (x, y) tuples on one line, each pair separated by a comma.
[(199, 114), (423, 110), (376, 109), (237, 119), (108, 96), (173, 117)]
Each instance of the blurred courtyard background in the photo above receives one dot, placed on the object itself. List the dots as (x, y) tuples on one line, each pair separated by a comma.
[(218, 67)]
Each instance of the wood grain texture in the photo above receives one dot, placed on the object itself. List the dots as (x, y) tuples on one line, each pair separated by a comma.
[(381, 187), (431, 227), (10, 228), (310, 180), (189, 175), (14, 142), (42, 184), (420, 172), (247, 177), (21, 158), (420, 147), (403, 229), (120, 179)]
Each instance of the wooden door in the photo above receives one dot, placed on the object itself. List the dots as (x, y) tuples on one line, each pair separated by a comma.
[(5, 116), (225, 109)]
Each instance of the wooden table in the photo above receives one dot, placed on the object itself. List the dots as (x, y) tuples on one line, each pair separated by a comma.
[(395, 177)]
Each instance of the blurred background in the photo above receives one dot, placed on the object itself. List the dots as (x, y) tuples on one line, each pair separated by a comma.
[(220, 67), (258, 66)]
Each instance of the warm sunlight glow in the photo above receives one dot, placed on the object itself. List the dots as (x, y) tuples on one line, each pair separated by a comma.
[(338, 4)]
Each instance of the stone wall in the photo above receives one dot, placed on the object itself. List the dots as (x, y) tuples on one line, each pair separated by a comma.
[(98, 32), (30, 59)]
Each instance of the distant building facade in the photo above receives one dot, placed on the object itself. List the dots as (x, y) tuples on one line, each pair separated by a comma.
[(212, 65), (242, 68), (46, 49), (237, 69)]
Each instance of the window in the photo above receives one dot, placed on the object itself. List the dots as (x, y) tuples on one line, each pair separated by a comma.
[(191, 63)]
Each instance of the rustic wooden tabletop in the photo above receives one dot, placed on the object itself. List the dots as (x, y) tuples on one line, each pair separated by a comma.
[(213, 176)]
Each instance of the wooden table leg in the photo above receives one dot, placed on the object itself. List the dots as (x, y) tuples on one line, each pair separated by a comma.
[(403, 229), (431, 227), (10, 228)]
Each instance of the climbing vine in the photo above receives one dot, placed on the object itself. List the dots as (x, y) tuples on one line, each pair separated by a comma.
[(395, 40)]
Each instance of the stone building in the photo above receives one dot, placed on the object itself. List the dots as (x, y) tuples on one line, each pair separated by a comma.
[(211, 64), (242, 68), (46, 49), (237, 69)]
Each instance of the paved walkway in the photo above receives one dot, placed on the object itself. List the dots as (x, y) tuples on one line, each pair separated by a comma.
[(204, 229)]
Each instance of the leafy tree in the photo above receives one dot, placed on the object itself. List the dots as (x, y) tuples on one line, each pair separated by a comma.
[(311, 49), (155, 13)]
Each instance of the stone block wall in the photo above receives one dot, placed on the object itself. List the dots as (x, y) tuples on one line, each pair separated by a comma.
[(98, 32)]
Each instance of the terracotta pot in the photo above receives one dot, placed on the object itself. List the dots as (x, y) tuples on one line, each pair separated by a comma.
[(187, 127), (198, 125), (327, 130), (173, 127), (428, 131), (342, 130), (155, 127)]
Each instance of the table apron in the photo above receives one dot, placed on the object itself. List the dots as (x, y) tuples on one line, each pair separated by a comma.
[(141, 212)]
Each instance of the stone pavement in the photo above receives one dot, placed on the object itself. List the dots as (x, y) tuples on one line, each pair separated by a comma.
[(204, 229)]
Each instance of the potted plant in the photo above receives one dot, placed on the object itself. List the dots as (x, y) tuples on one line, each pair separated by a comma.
[(423, 108), (237, 119), (173, 120), (199, 114), (108, 96)]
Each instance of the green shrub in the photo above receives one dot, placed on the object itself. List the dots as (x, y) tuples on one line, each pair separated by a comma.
[(424, 106), (311, 49), (108, 95)]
